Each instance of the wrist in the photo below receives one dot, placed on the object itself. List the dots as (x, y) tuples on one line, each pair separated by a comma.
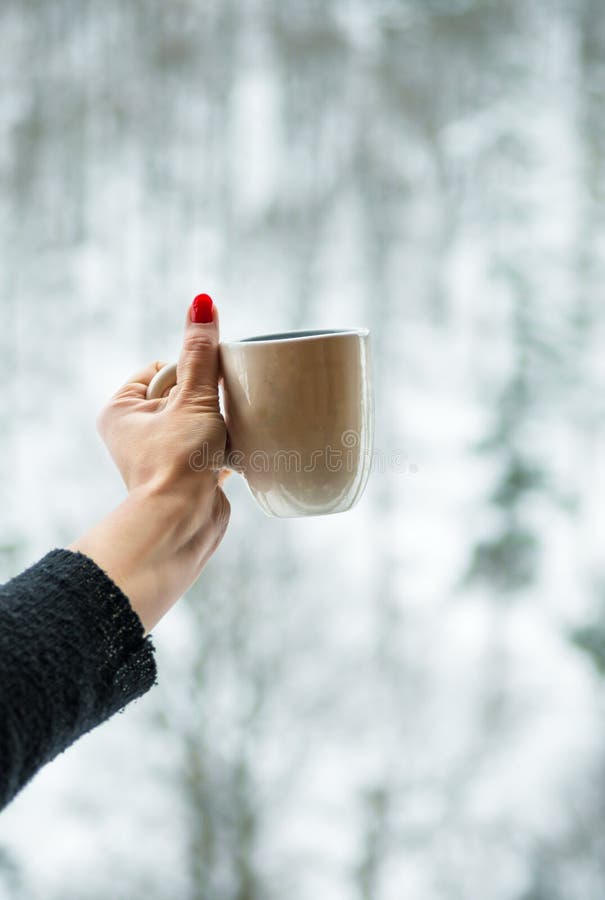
[(136, 545), (177, 507)]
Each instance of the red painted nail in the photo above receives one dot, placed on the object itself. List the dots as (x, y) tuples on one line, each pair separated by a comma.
[(202, 309)]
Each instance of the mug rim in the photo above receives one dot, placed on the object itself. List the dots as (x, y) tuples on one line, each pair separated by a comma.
[(306, 334)]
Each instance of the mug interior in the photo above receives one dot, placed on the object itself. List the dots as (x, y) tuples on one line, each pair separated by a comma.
[(293, 335)]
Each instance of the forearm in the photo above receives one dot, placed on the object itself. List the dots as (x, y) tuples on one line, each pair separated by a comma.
[(72, 628), (139, 545)]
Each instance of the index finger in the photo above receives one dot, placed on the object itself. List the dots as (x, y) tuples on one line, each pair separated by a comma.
[(137, 384)]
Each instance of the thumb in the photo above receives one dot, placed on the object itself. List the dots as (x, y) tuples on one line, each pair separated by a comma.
[(197, 368)]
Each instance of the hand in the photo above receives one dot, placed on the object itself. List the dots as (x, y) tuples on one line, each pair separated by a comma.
[(157, 542), (152, 441)]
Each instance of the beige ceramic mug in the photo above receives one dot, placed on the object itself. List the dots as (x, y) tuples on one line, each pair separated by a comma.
[(300, 418)]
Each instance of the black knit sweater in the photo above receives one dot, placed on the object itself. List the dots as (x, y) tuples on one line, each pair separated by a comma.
[(72, 653)]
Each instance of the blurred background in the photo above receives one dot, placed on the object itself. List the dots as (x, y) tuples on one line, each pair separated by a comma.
[(406, 701)]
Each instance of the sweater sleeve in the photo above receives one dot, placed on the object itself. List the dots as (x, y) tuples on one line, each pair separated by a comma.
[(72, 653)]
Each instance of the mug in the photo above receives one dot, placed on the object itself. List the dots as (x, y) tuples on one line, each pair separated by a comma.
[(299, 412)]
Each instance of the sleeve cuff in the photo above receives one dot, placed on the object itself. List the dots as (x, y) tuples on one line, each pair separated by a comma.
[(125, 656)]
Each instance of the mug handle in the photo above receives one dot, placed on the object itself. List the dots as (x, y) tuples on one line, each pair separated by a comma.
[(161, 382)]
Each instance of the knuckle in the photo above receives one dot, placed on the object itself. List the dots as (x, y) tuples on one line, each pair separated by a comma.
[(195, 387), (198, 342), (204, 397)]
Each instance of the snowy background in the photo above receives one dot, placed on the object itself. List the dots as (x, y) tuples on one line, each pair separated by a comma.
[(405, 702)]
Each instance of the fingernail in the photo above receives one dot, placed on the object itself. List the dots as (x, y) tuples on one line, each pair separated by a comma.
[(202, 309)]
